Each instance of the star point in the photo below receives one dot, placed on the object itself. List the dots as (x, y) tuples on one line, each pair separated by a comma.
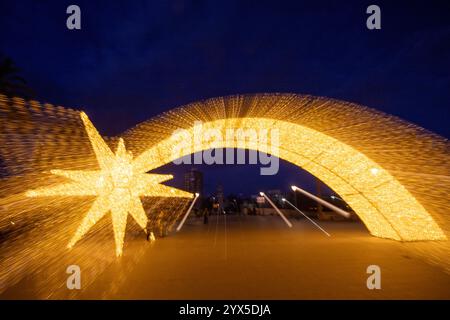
[(117, 186)]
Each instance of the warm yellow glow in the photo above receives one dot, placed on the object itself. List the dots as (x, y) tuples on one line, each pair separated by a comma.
[(385, 206), (393, 174), (339, 142), (117, 186)]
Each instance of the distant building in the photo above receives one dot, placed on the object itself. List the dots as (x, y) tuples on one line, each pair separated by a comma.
[(193, 181), (220, 196)]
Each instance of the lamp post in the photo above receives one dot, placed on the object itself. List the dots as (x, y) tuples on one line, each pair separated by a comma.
[(289, 203), (187, 212), (262, 194), (323, 202)]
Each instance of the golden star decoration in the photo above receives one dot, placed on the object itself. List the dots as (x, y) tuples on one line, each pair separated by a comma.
[(117, 186)]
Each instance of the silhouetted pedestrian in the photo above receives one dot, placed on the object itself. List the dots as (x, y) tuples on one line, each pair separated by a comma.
[(205, 216)]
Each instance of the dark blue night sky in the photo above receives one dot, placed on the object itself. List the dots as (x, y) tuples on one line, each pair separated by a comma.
[(135, 59)]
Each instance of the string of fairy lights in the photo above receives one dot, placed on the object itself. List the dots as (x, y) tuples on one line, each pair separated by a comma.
[(47, 153), (384, 168), (65, 185)]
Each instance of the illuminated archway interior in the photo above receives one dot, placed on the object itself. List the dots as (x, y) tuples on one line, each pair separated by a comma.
[(383, 204), (394, 175), (326, 138)]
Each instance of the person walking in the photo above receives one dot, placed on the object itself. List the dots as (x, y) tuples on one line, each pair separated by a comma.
[(205, 216)]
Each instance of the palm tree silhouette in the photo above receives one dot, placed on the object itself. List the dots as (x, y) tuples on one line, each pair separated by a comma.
[(11, 83)]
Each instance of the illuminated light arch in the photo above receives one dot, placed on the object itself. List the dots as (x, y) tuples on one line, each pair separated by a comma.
[(386, 169)]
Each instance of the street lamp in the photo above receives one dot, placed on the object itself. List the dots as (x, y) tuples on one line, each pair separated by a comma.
[(188, 211), (289, 203), (323, 202), (262, 194)]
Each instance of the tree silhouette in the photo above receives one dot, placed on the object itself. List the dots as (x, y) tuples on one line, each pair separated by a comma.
[(11, 83)]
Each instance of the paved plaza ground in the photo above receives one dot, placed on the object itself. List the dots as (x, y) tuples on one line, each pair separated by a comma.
[(248, 257), (256, 257)]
